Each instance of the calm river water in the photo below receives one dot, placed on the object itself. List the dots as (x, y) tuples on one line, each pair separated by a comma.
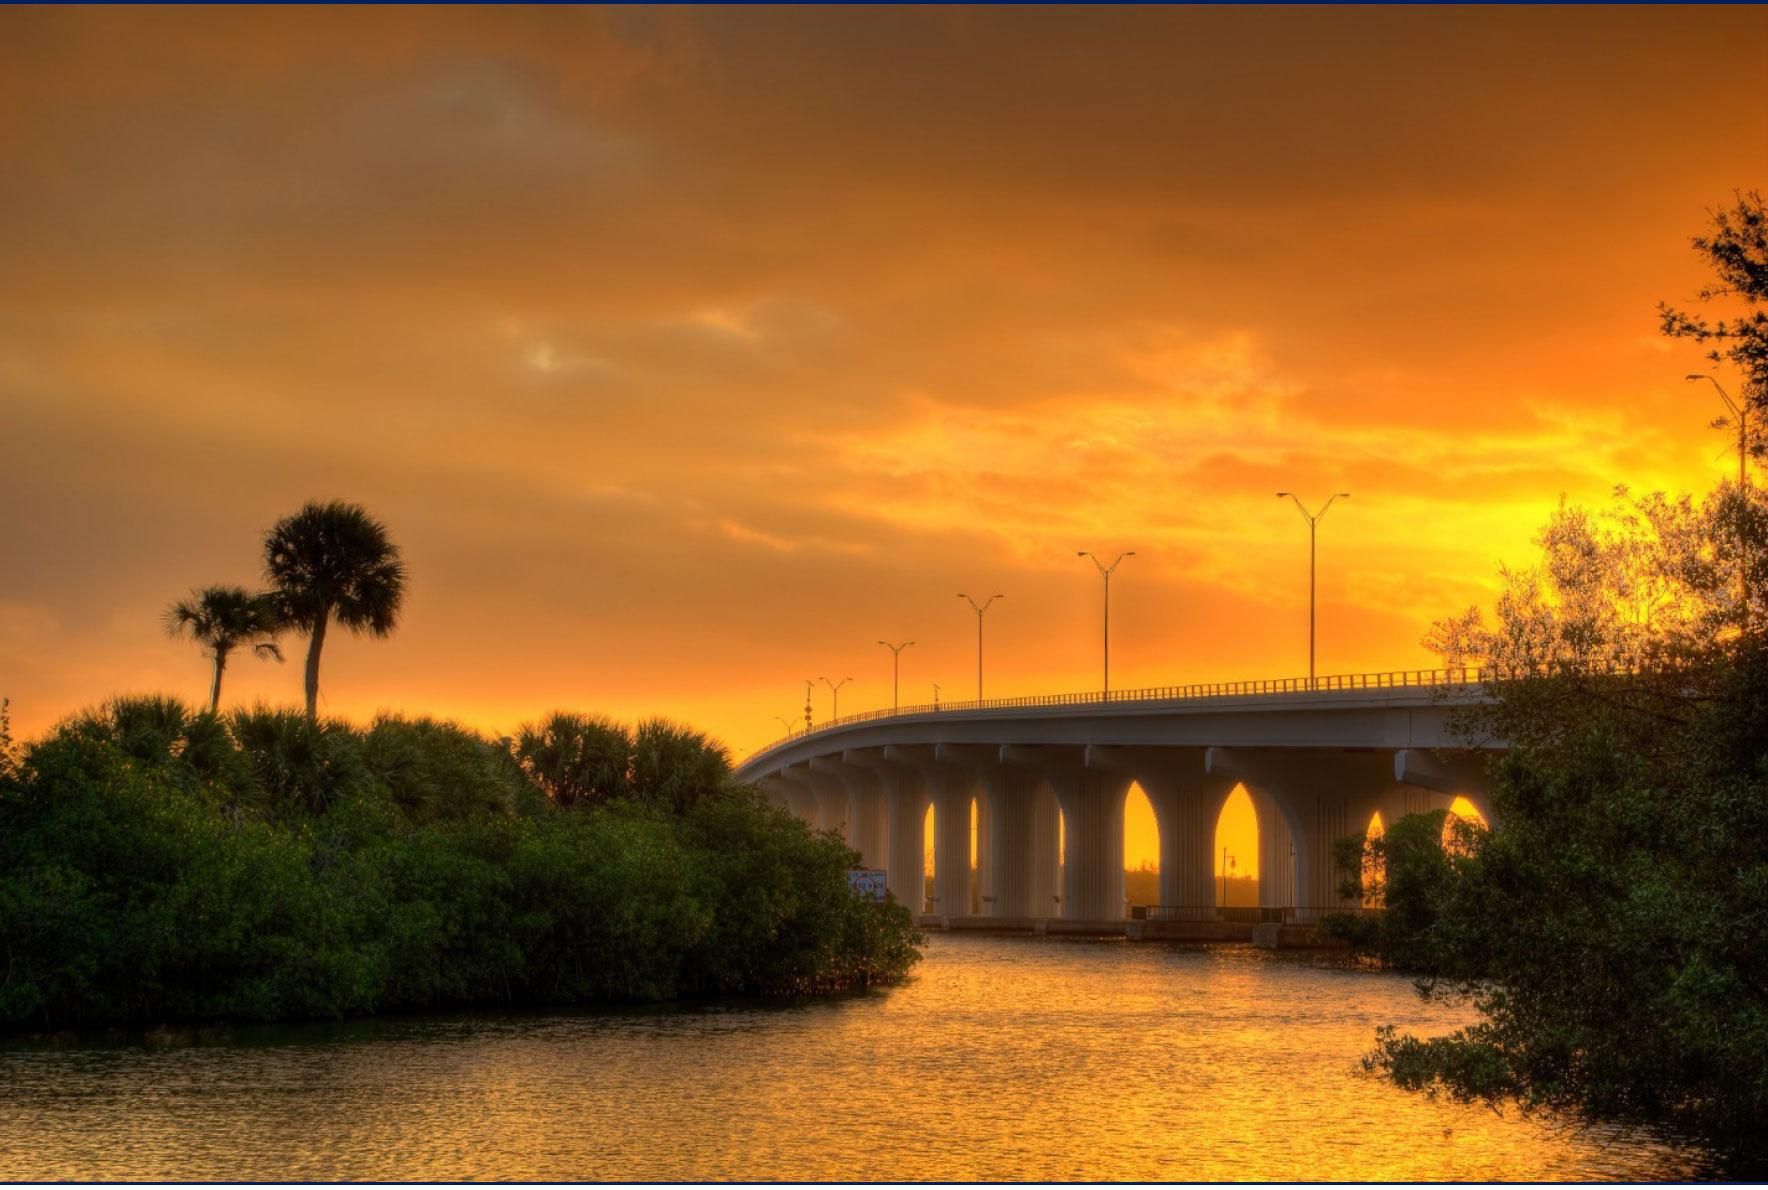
[(1005, 1057)]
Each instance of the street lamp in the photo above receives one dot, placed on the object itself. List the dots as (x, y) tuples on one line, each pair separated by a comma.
[(1739, 413), (790, 730), (895, 670), (980, 608), (1228, 865), (1105, 573), (1313, 520), (936, 698), (835, 691), (807, 686)]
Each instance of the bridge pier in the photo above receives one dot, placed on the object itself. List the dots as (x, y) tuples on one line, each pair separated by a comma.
[(866, 825), (1017, 843), (1091, 801), (904, 801), (949, 787), (1187, 802)]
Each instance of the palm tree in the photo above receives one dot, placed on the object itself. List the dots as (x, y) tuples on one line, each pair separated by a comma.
[(224, 619), (333, 561)]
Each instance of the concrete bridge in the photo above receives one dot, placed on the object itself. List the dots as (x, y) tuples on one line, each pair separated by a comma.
[(1319, 758)]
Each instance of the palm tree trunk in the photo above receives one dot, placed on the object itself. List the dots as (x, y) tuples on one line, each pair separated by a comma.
[(315, 643), (215, 690)]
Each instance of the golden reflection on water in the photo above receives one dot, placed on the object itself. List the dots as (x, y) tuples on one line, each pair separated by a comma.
[(1006, 1057)]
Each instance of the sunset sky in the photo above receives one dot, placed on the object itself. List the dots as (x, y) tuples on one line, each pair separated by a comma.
[(688, 353)]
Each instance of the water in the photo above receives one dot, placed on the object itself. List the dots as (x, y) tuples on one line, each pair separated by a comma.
[(1005, 1057)]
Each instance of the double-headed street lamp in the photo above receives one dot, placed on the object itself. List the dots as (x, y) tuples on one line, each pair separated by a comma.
[(895, 670), (1740, 413), (1105, 573), (790, 730), (1313, 520), (980, 608), (835, 693)]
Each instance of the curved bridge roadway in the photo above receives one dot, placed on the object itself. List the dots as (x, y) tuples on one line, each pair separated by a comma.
[(1319, 758)]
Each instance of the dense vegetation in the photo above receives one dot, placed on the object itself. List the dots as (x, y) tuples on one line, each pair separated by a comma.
[(1612, 926), (158, 863)]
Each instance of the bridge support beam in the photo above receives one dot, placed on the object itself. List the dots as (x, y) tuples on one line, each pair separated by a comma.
[(1092, 812), (1187, 802), (1323, 795), (867, 831), (796, 796), (950, 788), (1455, 774), (1016, 841), (904, 801)]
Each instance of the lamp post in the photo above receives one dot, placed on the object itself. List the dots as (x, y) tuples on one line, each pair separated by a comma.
[(1740, 413), (1227, 864), (895, 671), (790, 730), (1105, 573), (807, 686), (1313, 520), (835, 692), (980, 608), (936, 698)]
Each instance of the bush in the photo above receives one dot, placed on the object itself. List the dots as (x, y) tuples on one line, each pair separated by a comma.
[(157, 864)]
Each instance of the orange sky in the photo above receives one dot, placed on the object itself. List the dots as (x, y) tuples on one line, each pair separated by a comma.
[(689, 353)]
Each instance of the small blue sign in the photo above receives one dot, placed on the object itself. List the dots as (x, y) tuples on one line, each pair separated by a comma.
[(866, 882)]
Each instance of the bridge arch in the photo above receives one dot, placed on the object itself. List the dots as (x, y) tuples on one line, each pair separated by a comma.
[(1237, 852), (930, 852), (1141, 848)]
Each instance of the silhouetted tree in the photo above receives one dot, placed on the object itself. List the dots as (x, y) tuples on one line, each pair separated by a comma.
[(333, 561), (1736, 245), (223, 619)]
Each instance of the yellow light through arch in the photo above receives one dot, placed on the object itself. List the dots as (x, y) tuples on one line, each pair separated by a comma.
[(1236, 840), (1141, 831)]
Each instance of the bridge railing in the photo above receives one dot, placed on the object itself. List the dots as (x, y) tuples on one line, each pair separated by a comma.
[(1381, 680)]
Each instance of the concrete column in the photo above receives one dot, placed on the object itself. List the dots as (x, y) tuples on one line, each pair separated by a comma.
[(950, 788), (1091, 803), (802, 802), (1092, 813), (1276, 852), (904, 800), (831, 799), (1016, 864), (867, 824), (1045, 868), (1324, 795), (1187, 801)]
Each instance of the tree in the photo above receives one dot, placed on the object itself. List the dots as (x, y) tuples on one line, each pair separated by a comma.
[(333, 561), (1736, 245), (1609, 927), (223, 619)]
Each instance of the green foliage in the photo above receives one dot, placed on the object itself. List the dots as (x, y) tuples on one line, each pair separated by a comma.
[(1418, 879), (159, 864), (1610, 928), (588, 760)]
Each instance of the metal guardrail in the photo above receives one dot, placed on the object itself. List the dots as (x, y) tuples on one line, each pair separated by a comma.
[(1382, 680)]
